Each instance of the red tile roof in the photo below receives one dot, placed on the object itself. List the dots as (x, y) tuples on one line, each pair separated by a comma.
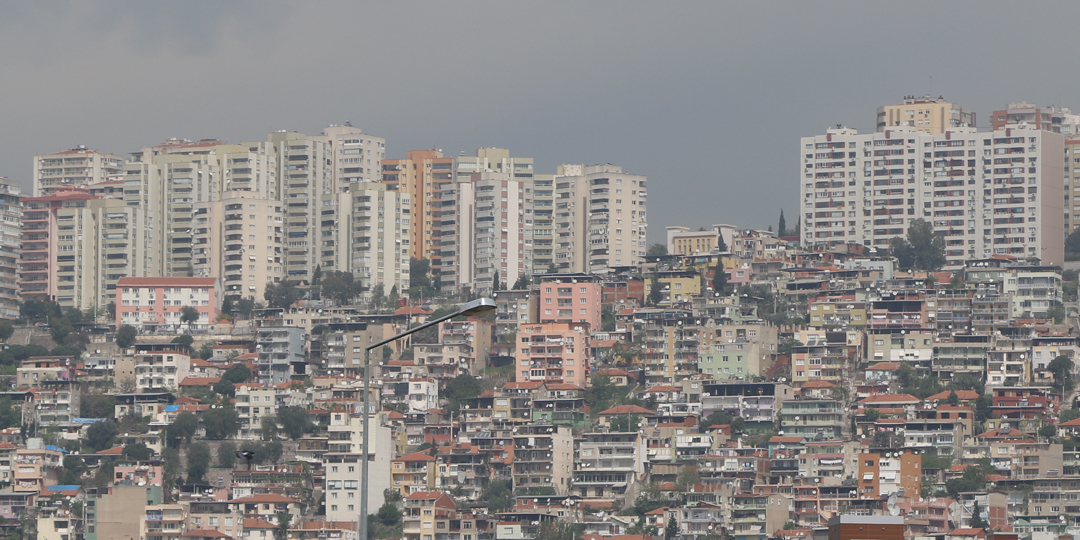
[(199, 282), (627, 409), (205, 533), (264, 498), (416, 456), (199, 381)]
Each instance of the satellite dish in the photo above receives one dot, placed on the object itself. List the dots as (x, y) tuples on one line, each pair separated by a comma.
[(892, 500), (894, 511)]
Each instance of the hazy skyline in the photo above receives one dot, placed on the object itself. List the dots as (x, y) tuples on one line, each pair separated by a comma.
[(707, 99)]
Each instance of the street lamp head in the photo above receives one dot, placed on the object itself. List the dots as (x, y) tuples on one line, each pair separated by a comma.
[(477, 308)]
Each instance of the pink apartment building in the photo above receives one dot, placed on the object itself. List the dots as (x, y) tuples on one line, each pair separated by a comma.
[(571, 298), (555, 351), (40, 260), (156, 303)]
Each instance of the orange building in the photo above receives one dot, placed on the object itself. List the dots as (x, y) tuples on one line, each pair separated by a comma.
[(554, 351), (887, 473)]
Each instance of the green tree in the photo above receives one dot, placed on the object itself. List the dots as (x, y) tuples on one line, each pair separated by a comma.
[(125, 336), (237, 373), (420, 279), (782, 229), (393, 297), (224, 388), (206, 350), (185, 340), (953, 398), (10, 416), (656, 250), (244, 307), (340, 287), (6, 330), (294, 421), (656, 291), (498, 495), (388, 514), (459, 389), (220, 423), (496, 283), (184, 426), (189, 315), (522, 282), (624, 423), (96, 405), (281, 295), (138, 452), (721, 246), (60, 328), (788, 346), (378, 296), (1068, 415), (923, 249), (268, 427), (270, 452), (1048, 431), (977, 522), (1072, 242), (282, 530), (719, 279), (226, 455), (1056, 311), (100, 435), (1062, 368), (198, 462)]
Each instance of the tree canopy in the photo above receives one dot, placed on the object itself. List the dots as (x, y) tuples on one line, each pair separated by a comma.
[(341, 287), (923, 249), (125, 336)]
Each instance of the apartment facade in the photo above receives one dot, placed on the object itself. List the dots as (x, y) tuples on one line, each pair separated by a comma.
[(599, 218), (986, 193), (76, 248), (158, 303), (10, 242), (492, 237), (422, 176), (571, 298), (926, 114), (554, 351), (240, 239), (74, 168)]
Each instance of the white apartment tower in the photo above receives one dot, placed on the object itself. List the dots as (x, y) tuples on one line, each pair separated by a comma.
[(306, 173), (241, 240), (987, 193), (599, 218), (356, 155), (365, 230), (492, 233), (75, 168), (10, 239)]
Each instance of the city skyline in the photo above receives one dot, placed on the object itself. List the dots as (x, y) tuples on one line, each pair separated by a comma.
[(693, 96)]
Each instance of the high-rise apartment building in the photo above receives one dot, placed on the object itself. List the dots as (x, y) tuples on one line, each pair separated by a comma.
[(75, 248), (987, 193), (239, 239), (356, 155), (926, 114), (543, 225), (305, 170), (491, 235), (365, 230), (599, 218), (1030, 116), (422, 176), (1072, 184), (10, 239), (75, 168)]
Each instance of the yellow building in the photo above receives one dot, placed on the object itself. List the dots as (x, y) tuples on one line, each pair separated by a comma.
[(678, 285), (926, 114), (412, 473)]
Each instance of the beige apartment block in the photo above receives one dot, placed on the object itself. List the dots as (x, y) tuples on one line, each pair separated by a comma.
[(239, 239), (422, 176), (356, 155), (600, 219), (10, 240), (926, 114), (987, 193), (364, 229), (75, 168), (493, 233)]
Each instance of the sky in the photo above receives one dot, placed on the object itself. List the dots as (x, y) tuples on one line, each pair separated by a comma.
[(708, 99)]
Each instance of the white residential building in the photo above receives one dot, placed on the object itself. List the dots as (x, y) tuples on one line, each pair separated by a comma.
[(75, 168), (987, 193), (599, 220)]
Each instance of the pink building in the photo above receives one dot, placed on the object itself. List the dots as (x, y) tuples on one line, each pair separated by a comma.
[(567, 298), (553, 351), (156, 303), (39, 263)]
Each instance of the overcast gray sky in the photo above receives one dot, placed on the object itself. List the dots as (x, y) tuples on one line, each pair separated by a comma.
[(708, 99)]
